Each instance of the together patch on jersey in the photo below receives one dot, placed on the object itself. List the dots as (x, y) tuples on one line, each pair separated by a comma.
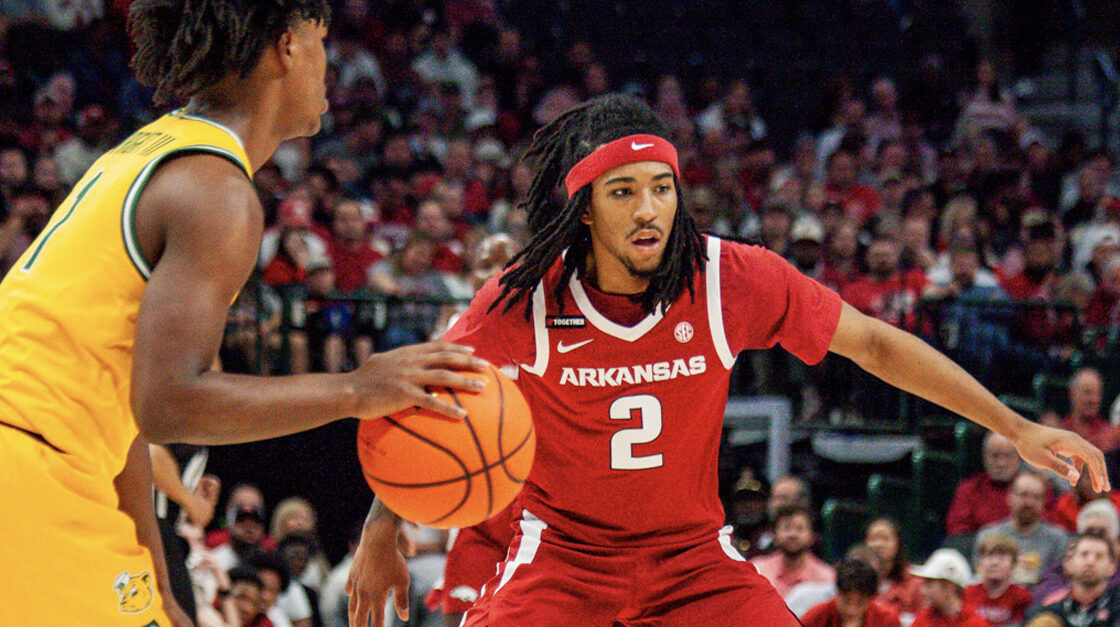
[(565, 322)]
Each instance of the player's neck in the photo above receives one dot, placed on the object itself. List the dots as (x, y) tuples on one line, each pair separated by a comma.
[(612, 277), (251, 119)]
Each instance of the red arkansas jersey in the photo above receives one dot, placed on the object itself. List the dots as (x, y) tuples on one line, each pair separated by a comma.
[(629, 418)]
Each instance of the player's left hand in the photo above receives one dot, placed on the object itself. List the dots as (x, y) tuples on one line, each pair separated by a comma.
[(1046, 447), (378, 568), (175, 613)]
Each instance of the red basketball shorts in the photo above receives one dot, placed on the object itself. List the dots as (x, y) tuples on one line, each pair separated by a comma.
[(471, 563), (548, 581)]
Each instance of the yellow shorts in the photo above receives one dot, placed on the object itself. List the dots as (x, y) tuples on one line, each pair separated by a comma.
[(67, 555)]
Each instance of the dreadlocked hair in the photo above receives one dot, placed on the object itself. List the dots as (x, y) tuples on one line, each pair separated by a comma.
[(555, 149), (183, 46)]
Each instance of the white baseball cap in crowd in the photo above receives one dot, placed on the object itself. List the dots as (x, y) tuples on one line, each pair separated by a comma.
[(807, 228), (947, 564)]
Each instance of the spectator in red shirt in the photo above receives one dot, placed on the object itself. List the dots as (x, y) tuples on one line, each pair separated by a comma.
[(1040, 258), (885, 293), (995, 597), (854, 605), (350, 252), (982, 498), (433, 222), (1069, 505), (459, 169), (899, 588), (775, 221), (842, 185), (287, 246), (841, 257), (945, 575), (1085, 419)]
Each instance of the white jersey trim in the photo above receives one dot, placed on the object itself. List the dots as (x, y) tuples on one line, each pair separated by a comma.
[(728, 548), (540, 333), (218, 125), (531, 530), (599, 321), (715, 304)]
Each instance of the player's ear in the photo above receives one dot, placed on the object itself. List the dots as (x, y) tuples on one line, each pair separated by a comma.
[(287, 49)]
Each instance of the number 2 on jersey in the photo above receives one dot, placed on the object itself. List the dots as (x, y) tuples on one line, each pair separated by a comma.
[(648, 409), (43, 242)]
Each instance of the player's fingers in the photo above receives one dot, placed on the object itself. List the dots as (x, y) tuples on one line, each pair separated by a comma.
[(400, 598), (452, 360), (1062, 467), (442, 347), (439, 378), (430, 401), (1085, 454)]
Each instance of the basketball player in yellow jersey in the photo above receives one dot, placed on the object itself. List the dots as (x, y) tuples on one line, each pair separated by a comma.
[(115, 313)]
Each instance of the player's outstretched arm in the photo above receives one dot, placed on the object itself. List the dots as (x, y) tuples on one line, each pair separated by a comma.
[(908, 363), (200, 222), (378, 567)]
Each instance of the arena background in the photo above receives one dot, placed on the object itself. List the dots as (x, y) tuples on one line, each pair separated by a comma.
[(1056, 58)]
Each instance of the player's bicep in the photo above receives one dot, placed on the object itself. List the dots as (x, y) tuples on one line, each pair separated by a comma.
[(211, 234), (855, 335)]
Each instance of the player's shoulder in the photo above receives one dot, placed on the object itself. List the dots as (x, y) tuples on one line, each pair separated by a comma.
[(744, 263), (735, 248), (201, 182), (486, 300)]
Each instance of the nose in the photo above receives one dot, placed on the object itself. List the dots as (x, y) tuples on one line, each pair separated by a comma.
[(644, 211)]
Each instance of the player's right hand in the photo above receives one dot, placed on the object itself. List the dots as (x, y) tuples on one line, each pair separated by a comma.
[(378, 568), (200, 511), (394, 380)]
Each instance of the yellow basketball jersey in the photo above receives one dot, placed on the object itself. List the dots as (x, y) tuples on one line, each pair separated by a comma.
[(68, 308)]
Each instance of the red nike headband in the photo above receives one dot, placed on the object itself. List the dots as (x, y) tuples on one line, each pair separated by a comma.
[(629, 149)]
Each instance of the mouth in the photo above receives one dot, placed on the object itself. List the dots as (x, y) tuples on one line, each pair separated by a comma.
[(646, 239)]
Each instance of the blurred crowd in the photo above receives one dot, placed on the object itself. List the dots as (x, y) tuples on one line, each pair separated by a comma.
[(926, 200)]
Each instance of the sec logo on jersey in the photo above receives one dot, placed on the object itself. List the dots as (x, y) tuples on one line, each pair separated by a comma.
[(683, 332)]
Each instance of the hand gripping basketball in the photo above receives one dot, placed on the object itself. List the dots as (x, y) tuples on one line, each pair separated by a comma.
[(442, 472)]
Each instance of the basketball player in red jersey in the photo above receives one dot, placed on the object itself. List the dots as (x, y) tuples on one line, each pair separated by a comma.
[(621, 322)]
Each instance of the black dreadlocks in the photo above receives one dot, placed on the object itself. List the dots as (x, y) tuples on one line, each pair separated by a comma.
[(555, 149), (183, 46)]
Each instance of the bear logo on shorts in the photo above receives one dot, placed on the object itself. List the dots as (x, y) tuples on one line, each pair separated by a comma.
[(134, 593)]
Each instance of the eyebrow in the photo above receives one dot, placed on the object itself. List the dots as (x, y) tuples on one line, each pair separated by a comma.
[(630, 179)]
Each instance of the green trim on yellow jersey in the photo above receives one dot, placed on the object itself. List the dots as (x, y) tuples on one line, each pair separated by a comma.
[(128, 214), (43, 240)]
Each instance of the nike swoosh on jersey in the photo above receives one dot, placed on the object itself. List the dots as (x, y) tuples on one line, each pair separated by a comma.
[(636, 146), (562, 348)]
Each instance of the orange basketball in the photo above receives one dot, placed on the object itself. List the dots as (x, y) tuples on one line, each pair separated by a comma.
[(443, 472)]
